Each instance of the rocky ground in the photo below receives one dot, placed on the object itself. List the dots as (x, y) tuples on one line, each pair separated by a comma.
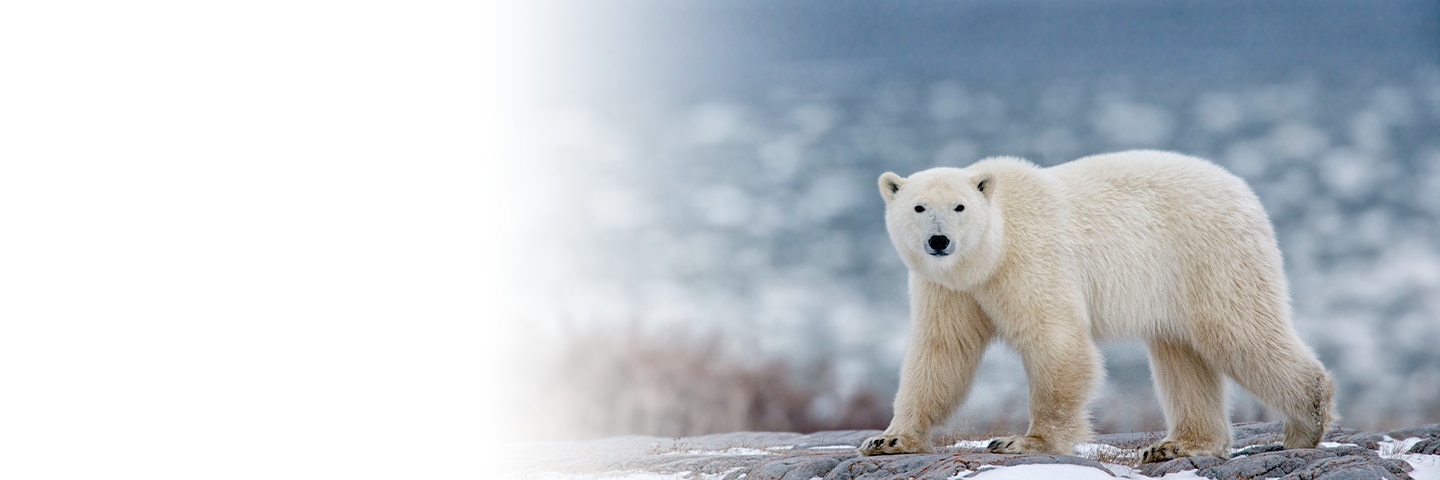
[(1346, 454)]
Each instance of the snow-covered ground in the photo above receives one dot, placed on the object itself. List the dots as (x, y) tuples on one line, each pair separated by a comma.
[(1427, 467), (831, 454)]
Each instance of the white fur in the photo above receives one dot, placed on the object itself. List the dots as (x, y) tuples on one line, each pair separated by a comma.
[(1145, 245)]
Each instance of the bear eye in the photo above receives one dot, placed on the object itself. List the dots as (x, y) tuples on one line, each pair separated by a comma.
[(919, 209), (959, 208)]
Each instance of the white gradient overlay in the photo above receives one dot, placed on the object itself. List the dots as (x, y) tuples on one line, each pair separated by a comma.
[(254, 239)]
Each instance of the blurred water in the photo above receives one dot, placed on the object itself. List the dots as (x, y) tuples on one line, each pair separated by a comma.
[(718, 161)]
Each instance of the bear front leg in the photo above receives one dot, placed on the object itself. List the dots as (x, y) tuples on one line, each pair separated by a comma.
[(1063, 369), (949, 338)]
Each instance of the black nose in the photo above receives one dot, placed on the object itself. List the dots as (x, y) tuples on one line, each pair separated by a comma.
[(939, 242)]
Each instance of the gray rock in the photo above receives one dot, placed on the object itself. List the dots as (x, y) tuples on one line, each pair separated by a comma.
[(803, 467), (1262, 465), (1179, 465), (943, 466), (1264, 433), (792, 456), (1423, 431), (1340, 434), (1258, 433), (1285, 462), (1368, 440), (1052, 460), (1336, 430), (1354, 467), (1347, 450), (892, 466), (1429, 446)]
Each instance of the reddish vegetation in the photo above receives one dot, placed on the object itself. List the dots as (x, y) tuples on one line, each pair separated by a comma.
[(672, 384)]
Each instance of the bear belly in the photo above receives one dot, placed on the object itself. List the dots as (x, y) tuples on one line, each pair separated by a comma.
[(1136, 305)]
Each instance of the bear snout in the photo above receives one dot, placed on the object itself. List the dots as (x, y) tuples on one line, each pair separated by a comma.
[(938, 244)]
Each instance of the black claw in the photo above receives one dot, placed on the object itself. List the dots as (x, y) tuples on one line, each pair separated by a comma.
[(1009, 444), (877, 442), (994, 444), (893, 440)]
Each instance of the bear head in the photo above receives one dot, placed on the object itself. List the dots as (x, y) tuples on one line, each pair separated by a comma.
[(937, 216)]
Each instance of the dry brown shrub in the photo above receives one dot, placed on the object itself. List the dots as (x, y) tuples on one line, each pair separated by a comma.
[(670, 383)]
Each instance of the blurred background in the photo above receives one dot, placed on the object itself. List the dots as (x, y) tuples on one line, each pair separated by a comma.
[(704, 248)]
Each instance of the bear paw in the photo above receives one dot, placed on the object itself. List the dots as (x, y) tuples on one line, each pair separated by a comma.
[(887, 444), (1018, 444), (1169, 450)]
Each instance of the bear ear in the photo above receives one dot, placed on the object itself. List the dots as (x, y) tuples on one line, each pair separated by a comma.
[(890, 184), (985, 183)]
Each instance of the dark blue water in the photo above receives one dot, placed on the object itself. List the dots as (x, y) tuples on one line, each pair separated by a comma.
[(718, 46)]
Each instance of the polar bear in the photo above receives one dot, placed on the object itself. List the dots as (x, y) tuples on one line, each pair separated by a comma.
[(1146, 245)]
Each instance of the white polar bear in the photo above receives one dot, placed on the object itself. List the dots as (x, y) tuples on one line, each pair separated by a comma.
[(1141, 244)]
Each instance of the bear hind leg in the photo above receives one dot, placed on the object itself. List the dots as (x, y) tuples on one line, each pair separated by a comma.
[(1285, 375), (1309, 409), (1193, 397), (1306, 422)]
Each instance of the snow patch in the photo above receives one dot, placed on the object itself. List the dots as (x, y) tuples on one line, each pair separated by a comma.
[(1024, 472), (1427, 467), (975, 444), (1124, 471), (1391, 447), (1185, 475)]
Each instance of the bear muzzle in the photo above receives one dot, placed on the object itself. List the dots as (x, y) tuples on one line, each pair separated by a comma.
[(939, 245)]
